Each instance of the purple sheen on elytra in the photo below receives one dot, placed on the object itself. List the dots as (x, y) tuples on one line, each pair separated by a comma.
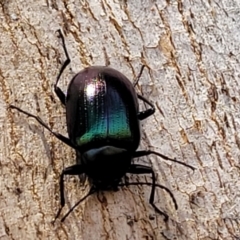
[(105, 113)]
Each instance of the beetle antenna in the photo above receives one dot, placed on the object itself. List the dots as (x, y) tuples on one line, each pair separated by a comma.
[(91, 191)]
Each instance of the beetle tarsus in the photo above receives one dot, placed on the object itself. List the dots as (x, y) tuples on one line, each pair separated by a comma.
[(91, 191), (148, 152), (58, 214), (139, 75)]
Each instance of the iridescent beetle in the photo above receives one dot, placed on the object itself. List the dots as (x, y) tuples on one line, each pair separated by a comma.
[(103, 126)]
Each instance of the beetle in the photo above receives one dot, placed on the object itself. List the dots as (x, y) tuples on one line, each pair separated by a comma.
[(103, 124)]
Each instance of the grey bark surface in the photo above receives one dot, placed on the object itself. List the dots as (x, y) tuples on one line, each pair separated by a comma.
[(191, 50)]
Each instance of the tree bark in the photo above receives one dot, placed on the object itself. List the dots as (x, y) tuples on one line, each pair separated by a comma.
[(190, 49)]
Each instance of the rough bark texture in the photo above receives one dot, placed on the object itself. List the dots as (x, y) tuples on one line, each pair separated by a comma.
[(191, 51)]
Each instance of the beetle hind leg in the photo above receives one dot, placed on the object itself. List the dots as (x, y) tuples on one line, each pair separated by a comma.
[(57, 90), (147, 113), (139, 75), (60, 94), (143, 114), (150, 111)]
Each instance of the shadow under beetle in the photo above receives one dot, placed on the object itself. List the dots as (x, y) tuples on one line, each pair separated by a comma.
[(103, 126)]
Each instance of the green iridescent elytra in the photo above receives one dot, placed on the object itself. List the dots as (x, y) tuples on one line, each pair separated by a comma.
[(103, 110)]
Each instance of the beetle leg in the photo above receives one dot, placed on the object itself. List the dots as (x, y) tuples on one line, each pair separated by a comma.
[(145, 114), (57, 135), (57, 90), (60, 94), (148, 152), (141, 169), (150, 184), (91, 191), (138, 76), (72, 170)]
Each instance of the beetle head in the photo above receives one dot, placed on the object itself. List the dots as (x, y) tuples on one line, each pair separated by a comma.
[(106, 165)]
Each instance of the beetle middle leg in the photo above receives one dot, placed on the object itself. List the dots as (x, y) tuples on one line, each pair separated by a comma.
[(57, 135), (148, 152), (58, 90)]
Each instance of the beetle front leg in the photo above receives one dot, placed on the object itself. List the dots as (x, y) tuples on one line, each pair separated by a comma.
[(57, 90), (72, 170), (141, 169), (91, 191)]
